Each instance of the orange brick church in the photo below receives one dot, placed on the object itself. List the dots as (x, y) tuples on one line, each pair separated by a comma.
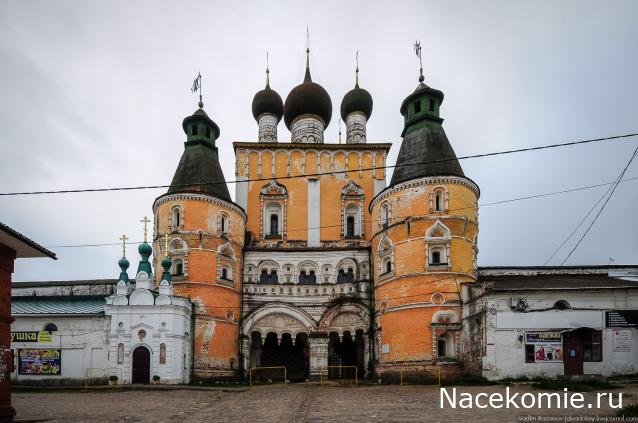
[(318, 262)]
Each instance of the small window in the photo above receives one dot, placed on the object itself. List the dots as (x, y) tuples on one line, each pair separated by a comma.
[(417, 107), (388, 266), (442, 346), (431, 104), (178, 267), (194, 129), (224, 225), (50, 327), (120, 353), (562, 305), (436, 257), (385, 215), (350, 226), (176, 217), (529, 353), (224, 273), (274, 224), (438, 201), (592, 346)]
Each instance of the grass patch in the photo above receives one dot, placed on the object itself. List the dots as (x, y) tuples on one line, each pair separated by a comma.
[(585, 385), (629, 411)]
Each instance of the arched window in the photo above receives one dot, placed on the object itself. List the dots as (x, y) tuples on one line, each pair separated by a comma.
[(226, 273), (120, 353), (162, 357), (386, 265), (436, 257), (438, 201), (50, 327), (562, 305), (352, 228), (224, 224), (441, 346), (385, 215), (176, 217), (274, 225), (273, 220)]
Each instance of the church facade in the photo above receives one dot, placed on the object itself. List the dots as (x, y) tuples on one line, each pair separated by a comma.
[(317, 262)]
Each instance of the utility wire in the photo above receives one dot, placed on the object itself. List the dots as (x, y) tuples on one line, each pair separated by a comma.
[(633, 156), (474, 156), (511, 200)]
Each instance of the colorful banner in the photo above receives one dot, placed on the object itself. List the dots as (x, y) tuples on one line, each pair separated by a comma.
[(548, 352), (39, 361)]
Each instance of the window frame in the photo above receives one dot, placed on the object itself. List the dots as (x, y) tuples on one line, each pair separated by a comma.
[(596, 338)]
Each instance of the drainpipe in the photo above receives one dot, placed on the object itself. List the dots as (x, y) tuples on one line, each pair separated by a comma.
[(192, 369)]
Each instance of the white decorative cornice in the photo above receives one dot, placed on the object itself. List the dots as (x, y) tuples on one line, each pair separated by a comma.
[(430, 180), (198, 197)]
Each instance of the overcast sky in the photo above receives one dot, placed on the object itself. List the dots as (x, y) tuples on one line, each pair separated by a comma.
[(93, 95)]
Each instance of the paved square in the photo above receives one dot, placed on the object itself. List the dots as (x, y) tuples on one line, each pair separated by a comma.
[(274, 404)]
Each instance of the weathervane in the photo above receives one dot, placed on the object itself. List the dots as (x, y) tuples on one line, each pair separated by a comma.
[(124, 238), (417, 50), (197, 86), (145, 221)]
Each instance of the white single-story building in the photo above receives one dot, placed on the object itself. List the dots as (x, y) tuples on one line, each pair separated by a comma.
[(551, 321), (71, 332)]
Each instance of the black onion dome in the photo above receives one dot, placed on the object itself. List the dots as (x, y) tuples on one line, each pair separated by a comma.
[(307, 97), (268, 101), (356, 100)]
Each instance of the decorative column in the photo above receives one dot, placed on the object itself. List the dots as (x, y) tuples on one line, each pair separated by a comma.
[(245, 348), (318, 353)]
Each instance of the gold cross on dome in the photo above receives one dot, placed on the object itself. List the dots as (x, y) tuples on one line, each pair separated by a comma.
[(145, 221), (166, 244), (124, 238)]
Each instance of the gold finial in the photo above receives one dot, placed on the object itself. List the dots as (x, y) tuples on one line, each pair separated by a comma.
[(166, 244), (145, 221), (124, 238), (357, 71)]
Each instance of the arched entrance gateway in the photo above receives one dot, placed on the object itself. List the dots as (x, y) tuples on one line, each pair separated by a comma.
[(283, 335), (141, 365)]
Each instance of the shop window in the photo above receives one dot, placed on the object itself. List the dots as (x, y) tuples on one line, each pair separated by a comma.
[(592, 346)]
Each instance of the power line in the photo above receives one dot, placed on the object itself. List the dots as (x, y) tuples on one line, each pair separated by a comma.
[(319, 174), (511, 200), (633, 156)]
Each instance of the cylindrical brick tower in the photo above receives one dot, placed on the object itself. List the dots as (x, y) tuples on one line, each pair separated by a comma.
[(204, 231), (424, 247)]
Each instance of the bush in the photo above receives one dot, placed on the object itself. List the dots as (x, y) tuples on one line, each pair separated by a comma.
[(156, 378), (113, 378)]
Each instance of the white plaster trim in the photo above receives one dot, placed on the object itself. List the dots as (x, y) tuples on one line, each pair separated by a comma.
[(430, 180)]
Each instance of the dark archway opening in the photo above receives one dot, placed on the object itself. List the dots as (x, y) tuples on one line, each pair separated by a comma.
[(347, 351), (141, 365), (293, 355)]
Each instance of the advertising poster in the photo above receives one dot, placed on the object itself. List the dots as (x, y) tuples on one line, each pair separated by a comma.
[(548, 352), (39, 361)]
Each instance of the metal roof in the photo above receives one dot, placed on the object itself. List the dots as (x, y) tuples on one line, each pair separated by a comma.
[(544, 282), (69, 304), (33, 284), (23, 246)]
